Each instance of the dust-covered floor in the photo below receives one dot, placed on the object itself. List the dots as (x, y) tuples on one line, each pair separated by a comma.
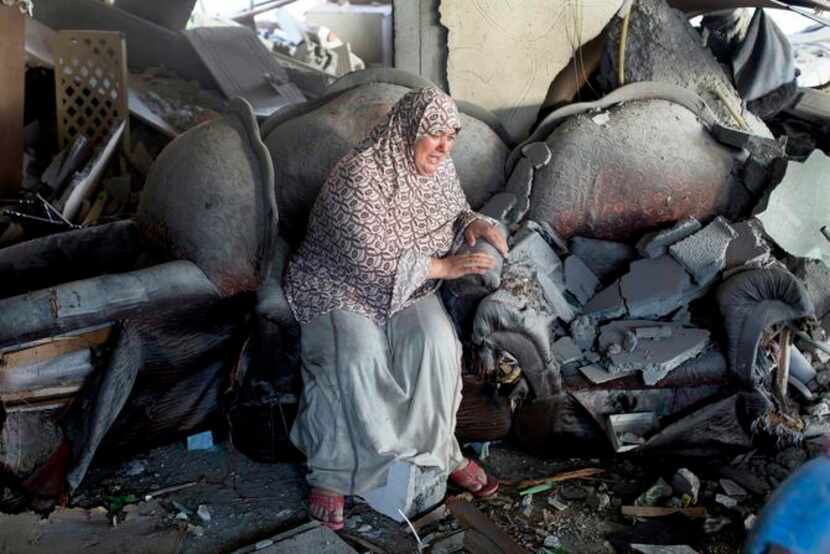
[(247, 501)]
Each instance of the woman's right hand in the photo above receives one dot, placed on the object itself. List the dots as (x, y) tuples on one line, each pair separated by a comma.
[(454, 267)]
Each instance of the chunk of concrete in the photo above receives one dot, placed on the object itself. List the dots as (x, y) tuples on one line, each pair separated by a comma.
[(533, 250), (748, 247), (538, 153), (579, 279), (607, 304), (409, 488), (559, 305), (733, 489), (583, 332), (598, 376), (655, 244), (655, 287), (686, 482), (704, 253), (606, 258), (655, 357), (566, 351)]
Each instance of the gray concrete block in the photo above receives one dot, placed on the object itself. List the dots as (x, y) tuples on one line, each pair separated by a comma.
[(655, 244), (704, 253), (409, 488), (566, 351), (598, 375), (607, 304), (654, 357), (559, 305), (655, 287), (579, 279), (606, 258), (815, 276), (748, 247), (533, 250), (538, 153)]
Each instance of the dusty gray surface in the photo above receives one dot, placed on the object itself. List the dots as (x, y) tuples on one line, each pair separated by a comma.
[(704, 253), (607, 259), (655, 244)]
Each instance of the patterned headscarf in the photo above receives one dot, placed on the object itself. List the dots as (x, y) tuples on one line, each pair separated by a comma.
[(421, 112), (377, 222)]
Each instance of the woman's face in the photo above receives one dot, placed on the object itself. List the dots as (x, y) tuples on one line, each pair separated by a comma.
[(431, 150)]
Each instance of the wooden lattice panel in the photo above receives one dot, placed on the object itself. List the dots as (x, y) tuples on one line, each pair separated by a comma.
[(90, 84)]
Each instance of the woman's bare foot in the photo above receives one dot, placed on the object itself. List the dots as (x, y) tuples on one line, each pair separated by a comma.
[(326, 506)]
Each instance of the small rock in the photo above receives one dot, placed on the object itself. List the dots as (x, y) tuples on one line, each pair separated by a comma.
[(686, 482), (203, 513), (601, 118), (614, 348), (365, 528), (819, 410), (726, 501), (552, 541), (749, 522), (732, 488), (134, 468), (181, 516), (715, 524), (599, 502), (584, 332), (629, 341)]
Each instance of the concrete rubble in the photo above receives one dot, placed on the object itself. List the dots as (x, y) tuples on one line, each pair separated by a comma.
[(662, 314)]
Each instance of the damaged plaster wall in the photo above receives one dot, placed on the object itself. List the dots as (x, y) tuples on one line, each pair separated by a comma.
[(504, 57), (420, 40)]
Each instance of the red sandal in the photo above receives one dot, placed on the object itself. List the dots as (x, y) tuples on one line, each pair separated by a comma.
[(327, 509), (474, 479)]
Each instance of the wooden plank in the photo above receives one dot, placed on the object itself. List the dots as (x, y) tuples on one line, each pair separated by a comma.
[(53, 347), (39, 394), (64, 371), (39, 406), (486, 536), (12, 69)]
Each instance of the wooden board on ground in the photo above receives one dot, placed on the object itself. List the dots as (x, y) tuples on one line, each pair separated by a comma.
[(45, 349)]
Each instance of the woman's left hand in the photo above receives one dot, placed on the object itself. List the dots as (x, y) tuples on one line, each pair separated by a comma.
[(480, 229)]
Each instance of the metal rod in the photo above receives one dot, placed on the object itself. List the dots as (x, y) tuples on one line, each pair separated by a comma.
[(803, 12)]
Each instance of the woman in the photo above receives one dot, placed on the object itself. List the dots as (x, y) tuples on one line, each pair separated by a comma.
[(381, 362)]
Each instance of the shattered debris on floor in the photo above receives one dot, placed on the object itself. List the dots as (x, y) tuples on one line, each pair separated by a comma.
[(647, 370)]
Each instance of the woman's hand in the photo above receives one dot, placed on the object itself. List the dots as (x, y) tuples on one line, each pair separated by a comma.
[(453, 267), (480, 229)]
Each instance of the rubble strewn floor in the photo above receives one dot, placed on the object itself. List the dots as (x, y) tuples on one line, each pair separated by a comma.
[(248, 502)]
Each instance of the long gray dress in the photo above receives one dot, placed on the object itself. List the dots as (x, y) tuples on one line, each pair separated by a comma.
[(381, 362)]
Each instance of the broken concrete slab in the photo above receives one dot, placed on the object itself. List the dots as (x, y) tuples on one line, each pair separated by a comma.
[(731, 488), (748, 248), (553, 294), (655, 244), (598, 376), (607, 259), (566, 351), (628, 431), (655, 357), (655, 287), (410, 489), (703, 254), (607, 304), (538, 153), (579, 279), (533, 250)]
